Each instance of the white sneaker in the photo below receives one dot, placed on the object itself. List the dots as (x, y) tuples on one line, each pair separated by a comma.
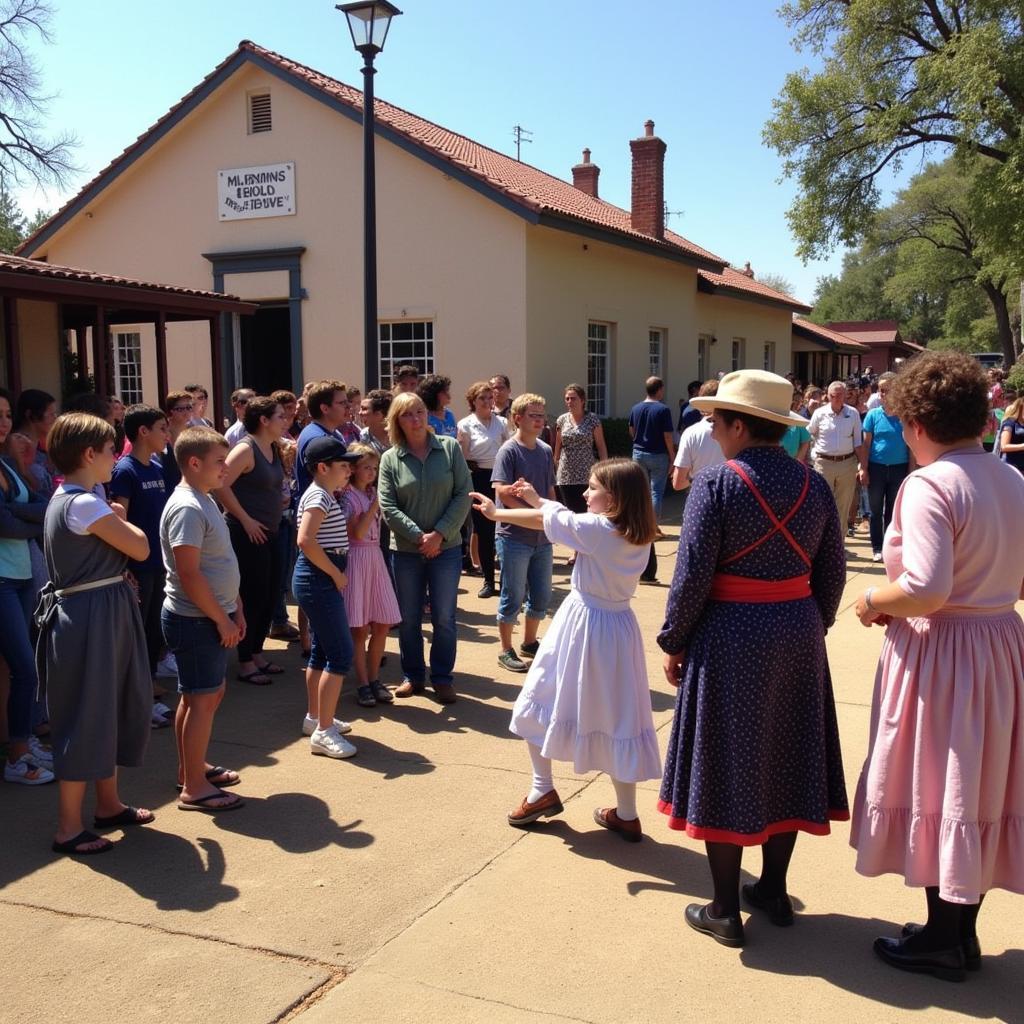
[(167, 666), (330, 743), (26, 772), (309, 725), (877, 556), (39, 753), (160, 708)]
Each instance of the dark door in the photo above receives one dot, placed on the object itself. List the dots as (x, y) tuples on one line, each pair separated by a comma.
[(266, 350)]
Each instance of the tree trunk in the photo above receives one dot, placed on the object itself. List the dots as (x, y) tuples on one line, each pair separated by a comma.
[(997, 297)]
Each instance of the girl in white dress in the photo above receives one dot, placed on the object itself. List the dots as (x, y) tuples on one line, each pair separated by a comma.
[(586, 698)]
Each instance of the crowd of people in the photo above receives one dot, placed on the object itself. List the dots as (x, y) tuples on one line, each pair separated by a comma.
[(137, 538)]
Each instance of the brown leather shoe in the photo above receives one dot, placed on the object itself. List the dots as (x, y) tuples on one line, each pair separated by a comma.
[(409, 688), (629, 830), (445, 693), (527, 813)]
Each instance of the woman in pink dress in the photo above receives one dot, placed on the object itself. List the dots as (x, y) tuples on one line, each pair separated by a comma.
[(941, 797)]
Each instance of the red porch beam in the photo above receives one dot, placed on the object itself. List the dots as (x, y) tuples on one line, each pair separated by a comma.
[(161, 358), (99, 353), (217, 373)]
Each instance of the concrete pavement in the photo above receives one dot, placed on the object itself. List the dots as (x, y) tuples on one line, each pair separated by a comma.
[(389, 887)]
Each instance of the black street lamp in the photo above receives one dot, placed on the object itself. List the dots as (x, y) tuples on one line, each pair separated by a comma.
[(369, 23)]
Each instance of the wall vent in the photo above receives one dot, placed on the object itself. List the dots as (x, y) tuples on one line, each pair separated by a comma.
[(259, 113)]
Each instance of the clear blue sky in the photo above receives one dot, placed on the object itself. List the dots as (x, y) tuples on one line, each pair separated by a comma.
[(580, 73)]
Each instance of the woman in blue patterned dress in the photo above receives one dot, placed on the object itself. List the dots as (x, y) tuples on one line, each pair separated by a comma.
[(753, 756)]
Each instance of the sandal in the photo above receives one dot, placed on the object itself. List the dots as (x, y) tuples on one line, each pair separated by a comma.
[(268, 668), (255, 678), (213, 775), (126, 816), (204, 804), (70, 846), (365, 697), (381, 692)]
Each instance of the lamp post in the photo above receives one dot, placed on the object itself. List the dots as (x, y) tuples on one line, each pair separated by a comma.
[(369, 23)]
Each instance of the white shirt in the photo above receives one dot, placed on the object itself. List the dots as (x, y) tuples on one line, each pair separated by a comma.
[(484, 442), (874, 401), (835, 433), (235, 432), (698, 449)]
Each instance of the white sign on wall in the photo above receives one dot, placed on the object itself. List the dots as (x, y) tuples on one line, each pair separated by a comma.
[(245, 192)]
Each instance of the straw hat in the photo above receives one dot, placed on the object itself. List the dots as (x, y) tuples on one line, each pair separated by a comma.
[(756, 393)]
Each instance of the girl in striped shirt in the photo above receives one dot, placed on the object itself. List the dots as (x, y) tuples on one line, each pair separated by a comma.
[(317, 583)]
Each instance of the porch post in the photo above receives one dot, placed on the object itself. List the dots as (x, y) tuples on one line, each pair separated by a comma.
[(12, 344), (161, 358), (217, 373), (99, 353), (82, 351)]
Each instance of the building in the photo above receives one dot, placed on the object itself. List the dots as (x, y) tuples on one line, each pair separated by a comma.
[(252, 185), (887, 349), (822, 355)]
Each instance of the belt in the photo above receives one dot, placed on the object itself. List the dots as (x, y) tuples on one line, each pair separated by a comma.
[(109, 581), (836, 458), (335, 551), (746, 589)]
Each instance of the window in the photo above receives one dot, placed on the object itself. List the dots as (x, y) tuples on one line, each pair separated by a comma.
[(739, 353), (598, 366), (405, 341), (769, 356), (655, 347), (128, 352), (703, 356), (259, 113)]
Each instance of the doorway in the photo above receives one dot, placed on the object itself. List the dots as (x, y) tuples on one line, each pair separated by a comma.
[(265, 344)]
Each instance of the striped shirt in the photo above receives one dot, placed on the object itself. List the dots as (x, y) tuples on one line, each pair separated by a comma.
[(333, 532)]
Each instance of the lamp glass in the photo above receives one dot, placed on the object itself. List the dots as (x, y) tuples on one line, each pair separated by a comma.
[(369, 22)]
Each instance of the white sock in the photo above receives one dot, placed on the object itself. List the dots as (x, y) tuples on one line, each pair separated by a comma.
[(625, 800), (542, 781)]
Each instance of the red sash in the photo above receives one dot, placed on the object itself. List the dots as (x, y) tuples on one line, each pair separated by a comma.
[(730, 587)]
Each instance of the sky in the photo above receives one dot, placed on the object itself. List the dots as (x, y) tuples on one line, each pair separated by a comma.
[(580, 73)]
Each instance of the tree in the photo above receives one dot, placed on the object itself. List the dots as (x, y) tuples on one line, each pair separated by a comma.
[(902, 77), (777, 281), (28, 153), (12, 223)]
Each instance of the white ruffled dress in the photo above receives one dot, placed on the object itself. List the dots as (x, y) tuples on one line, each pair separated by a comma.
[(586, 698)]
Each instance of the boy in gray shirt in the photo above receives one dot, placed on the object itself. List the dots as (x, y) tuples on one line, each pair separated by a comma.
[(202, 614)]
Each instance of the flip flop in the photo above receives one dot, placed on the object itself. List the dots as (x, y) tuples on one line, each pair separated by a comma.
[(211, 776), (270, 669), (68, 847), (255, 678), (204, 804), (128, 816)]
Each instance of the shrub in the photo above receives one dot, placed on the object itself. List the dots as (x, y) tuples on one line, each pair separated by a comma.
[(616, 435)]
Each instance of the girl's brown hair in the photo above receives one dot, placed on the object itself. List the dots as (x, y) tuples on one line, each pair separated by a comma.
[(630, 508), (364, 451), (72, 435)]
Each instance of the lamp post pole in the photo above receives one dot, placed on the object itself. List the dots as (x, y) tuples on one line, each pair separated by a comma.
[(369, 228)]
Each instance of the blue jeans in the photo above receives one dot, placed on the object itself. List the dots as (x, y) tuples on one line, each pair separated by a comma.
[(413, 574), (330, 648), (883, 484), (656, 468), (17, 598), (286, 548), (525, 574)]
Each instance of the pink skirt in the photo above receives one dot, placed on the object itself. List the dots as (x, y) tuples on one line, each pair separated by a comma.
[(941, 797), (369, 596)]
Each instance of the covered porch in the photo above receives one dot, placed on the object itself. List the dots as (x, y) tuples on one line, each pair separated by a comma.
[(821, 355)]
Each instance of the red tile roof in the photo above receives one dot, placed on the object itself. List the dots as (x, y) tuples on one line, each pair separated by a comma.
[(734, 280), (830, 336), (56, 272), (871, 332), (527, 186)]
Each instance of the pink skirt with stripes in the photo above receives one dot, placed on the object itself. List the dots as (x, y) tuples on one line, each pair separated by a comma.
[(369, 596)]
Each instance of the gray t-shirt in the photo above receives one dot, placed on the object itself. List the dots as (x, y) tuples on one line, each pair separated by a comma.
[(191, 519), (515, 460)]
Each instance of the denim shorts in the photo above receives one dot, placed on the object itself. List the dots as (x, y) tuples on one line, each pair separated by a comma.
[(195, 643)]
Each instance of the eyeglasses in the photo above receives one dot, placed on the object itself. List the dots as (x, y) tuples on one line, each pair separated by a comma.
[(242, 401), (182, 408), (535, 415)]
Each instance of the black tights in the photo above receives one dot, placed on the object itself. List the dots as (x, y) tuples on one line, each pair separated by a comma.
[(949, 924), (725, 859)]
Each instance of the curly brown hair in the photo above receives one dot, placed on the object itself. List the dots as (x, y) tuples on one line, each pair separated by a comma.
[(946, 392)]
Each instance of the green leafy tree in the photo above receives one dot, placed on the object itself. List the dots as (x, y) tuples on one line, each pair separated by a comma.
[(12, 223), (902, 78), (779, 282)]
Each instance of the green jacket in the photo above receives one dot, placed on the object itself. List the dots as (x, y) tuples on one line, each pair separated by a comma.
[(418, 497)]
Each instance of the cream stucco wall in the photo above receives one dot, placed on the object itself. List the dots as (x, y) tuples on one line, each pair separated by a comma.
[(444, 251), (573, 280), (725, 318), (39, 345)]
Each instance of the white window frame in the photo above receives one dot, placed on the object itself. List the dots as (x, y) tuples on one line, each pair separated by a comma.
[(738, 355), (418, 349), (703, 356), (656, 352), (769, 356), (128, 366), (599, 367)]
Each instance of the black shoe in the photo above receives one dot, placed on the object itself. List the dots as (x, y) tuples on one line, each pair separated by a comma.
[(946, 964), (971, 946), (487, 590), (530, 650), (778, 908), (726, 930), (648, 579)]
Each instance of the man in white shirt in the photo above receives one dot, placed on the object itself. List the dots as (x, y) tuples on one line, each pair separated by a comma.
[(837, 450), (697, 449), (239, 400)]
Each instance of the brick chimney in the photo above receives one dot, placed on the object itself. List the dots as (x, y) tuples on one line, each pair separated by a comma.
[(647, 211), (584, 175)]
